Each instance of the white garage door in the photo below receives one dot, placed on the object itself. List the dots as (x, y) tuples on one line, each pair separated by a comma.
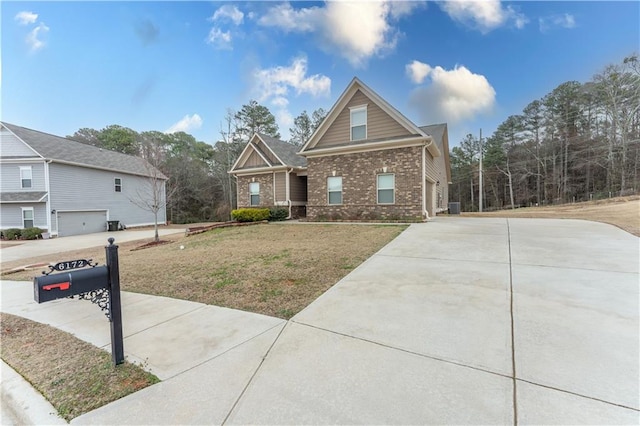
[(81, 222)]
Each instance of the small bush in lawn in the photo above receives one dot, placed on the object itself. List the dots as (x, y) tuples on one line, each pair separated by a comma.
[(278, 213), (12, 233), (250, 214), (32, 233)]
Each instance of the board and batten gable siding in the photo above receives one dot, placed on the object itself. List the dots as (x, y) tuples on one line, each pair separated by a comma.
[(264, 150), (10, 177), (82, 188), (254, 160), (11, 146), (280, 186), (298, 187), (12, 215), (380, 125)]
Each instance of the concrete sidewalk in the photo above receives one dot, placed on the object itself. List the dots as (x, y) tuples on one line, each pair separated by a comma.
[(456, 321)]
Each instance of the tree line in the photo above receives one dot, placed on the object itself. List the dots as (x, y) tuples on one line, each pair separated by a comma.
[(578, 142), (199, 186)]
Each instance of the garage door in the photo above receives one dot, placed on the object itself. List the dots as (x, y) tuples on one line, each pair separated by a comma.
[(82, 222)]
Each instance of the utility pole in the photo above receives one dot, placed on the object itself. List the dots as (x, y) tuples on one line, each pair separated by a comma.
[(480, 176)]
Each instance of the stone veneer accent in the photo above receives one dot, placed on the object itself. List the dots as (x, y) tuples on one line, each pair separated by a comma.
[(359, 179), (266, 190)]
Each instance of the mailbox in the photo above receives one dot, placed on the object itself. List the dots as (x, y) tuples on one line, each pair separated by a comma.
[(65, 284)]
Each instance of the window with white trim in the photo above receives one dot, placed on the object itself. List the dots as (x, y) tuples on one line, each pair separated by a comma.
[(26, 175), (27, 217), (334, 190), (386, 188), (118, 184), (254, 193), (358, 123)]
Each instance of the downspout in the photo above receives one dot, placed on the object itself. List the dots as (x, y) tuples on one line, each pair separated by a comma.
[(288, 190), (425, 213), (48, 202)]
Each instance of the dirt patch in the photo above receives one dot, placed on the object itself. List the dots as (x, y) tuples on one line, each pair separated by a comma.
[(623, 212), (151, 244), (6, 243), (75, 376), (273, 269)]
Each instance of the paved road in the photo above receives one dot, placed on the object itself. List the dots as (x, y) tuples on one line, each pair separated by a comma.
[(456, 321)]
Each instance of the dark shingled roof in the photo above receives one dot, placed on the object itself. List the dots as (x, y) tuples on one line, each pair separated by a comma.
[(24, 197), (436, 131), (285, 151), (54, 148)]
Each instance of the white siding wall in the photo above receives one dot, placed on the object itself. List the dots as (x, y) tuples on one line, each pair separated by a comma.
[(10, 177), (12, 215), (80, 188), (11, 146)]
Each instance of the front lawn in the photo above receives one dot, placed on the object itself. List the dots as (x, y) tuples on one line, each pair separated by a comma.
[(274, 269)]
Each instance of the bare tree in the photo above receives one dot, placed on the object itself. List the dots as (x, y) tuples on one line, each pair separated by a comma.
[(152, 195)]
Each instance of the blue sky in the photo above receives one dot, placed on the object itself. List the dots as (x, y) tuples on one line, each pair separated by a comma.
[(180, 65)]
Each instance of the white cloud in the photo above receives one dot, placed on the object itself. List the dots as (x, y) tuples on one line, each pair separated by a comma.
[(564, 20), (219, 39), (453, 95), (26, 18), (355, 30), (417, 71), (34, 37), (285, 17), (228, 12), (187, 124), (483, 15), (273, 85), (275, 82)]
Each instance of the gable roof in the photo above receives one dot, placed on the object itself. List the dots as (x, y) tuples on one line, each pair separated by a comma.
[(285, 153), (63, 150), (440, 135), (341, 103)]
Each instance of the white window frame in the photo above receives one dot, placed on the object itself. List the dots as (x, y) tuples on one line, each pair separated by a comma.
[(33, 217), (329, 192), (254, 193), (393, 188), (24, 170), (117, 184), (352, 111)]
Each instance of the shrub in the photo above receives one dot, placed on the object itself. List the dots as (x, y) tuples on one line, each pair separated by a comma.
[(250, 214), (32, 233), (12, 233), (278, 213)]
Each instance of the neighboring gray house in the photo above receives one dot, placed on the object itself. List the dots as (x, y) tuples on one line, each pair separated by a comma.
[(71, 188)]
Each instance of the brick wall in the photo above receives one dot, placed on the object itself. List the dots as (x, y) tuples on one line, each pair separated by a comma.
[(359, 191), (266, 190)]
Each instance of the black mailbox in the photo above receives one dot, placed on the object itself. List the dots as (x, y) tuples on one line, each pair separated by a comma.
[(58, 286)]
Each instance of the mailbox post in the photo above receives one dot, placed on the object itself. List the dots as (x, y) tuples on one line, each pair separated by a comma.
[(100, 284), (117, 344)]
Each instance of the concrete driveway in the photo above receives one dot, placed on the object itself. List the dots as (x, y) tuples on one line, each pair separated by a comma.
[(456, 321)]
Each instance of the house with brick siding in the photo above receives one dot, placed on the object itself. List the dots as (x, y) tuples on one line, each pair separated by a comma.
[(269, 172), (368, 161)]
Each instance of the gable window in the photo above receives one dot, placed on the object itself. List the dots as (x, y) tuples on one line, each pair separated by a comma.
[(358, 123), (118, 184), (25, 177), (334, 190), (27, 217), (386, 188), (254, 194)]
